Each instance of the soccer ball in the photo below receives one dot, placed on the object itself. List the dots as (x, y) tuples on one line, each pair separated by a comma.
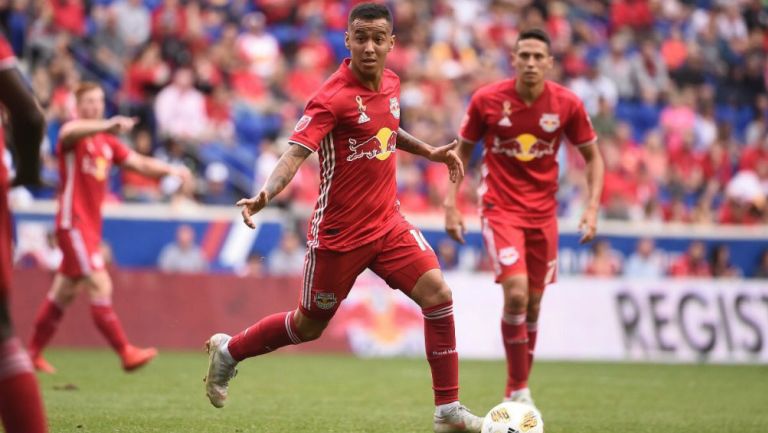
[(512, 417)]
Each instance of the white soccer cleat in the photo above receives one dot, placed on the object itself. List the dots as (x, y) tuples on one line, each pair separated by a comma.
[(522, 396), (221, 369), (457, 419)]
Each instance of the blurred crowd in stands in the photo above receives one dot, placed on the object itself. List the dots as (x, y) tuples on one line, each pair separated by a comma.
[(676, 90)]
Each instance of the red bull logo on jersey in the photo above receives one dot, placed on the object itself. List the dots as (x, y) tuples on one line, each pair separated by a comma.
[(549, 122), (97, 167), (380, 146), (525, 147)]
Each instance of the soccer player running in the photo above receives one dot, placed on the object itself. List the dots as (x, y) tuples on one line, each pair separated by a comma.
[(353, 122), (87, 149), (21, 408), (522, 121)]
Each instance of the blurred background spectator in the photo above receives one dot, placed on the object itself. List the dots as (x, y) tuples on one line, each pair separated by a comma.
[(183, 255)]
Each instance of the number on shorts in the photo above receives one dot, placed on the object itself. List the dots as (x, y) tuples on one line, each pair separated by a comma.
[(423, 244)]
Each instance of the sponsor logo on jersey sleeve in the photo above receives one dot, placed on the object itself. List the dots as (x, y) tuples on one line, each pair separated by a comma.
[(302, 123)]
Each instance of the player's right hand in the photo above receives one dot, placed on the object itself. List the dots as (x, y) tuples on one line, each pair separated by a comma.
[(454, 224), (252, 206), (122, 124)]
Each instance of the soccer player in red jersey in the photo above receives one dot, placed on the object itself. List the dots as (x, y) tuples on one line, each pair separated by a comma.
[(353, 122), (522, 121), (87, 149), (21, 408)]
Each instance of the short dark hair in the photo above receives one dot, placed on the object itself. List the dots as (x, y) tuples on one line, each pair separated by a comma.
[(370, 12), (536, 33)]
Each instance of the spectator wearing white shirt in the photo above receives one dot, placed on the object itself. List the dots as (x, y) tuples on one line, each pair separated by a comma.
[(288, 258), (645, 262), (593, 86), (258, 47), (183, 255), (180, 108)]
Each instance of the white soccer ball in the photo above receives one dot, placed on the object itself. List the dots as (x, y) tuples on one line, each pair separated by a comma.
[(512, 417)]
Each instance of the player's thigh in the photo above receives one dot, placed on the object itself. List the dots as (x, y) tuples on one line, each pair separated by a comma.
[(99, 285), (506, 247), (405, 258), (64, 289), (328, 278), (81, 253), (541, 257)]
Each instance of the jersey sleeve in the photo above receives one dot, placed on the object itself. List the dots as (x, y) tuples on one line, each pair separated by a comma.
[(472, 127), (119, 151), (579, 129), (317, 122)]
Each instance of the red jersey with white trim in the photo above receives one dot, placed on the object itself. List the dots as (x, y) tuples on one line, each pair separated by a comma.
[(520, 169), (7, 58), (354, 131), (83, 174)]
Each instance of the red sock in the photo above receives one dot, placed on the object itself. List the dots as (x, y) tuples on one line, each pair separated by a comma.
[(109, 325), (533, 330), (21, 408), (268, 334), (440, 342), (513, 333), (46, 323)]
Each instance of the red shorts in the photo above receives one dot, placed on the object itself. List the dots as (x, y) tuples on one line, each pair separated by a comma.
[(516, 250), (81, 251), (400, 258), (6, 243)]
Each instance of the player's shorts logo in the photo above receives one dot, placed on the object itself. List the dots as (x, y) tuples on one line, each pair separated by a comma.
[(549, 122), (380, 146), (525, 147), (508, 256), (302, 123), (325, 301)]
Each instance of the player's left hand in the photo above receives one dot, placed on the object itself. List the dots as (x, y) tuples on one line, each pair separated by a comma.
[(252, 206), (448, 156), (588, 225)]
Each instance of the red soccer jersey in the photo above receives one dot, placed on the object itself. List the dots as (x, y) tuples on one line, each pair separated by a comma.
[(83, 173), (7, 58), (521, 142), (354, 130)]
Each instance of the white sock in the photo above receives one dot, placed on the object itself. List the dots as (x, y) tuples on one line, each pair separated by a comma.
[(445, 408), (226, 354)]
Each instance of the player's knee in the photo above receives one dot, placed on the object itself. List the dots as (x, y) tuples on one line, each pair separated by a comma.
[(515, 296), (309, 329)]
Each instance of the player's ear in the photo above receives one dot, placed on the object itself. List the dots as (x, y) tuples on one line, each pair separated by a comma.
[(346, 39), (391, 42)]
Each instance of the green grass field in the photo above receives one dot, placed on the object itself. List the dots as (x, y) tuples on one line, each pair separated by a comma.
[(283, 393)]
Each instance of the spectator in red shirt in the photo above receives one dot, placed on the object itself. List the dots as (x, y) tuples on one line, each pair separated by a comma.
[(69, 15), (693, 263), (604, 262)]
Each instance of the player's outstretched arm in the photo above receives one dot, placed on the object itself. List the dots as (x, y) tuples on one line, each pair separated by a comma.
[(27, 126), (445, 154), (595, 171), (280, 177), (79, 128), (454, 221), (155, 168)]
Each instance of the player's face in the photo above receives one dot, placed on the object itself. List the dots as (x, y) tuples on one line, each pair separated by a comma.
[(532, 61), (91, 104), (369, 42)]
